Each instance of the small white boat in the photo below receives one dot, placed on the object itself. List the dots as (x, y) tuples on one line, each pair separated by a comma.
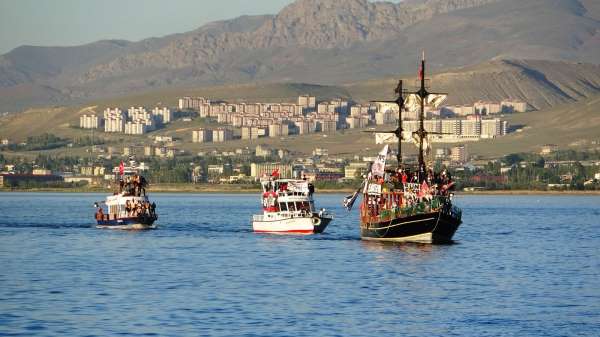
[(288, 208), (128, 208)]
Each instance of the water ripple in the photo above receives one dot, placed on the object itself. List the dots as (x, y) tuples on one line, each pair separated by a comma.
[(521, 265)]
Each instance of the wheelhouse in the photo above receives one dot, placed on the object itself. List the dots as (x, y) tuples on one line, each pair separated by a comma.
[(287, 195)]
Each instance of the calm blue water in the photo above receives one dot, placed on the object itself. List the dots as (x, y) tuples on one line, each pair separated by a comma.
[(522, 266)]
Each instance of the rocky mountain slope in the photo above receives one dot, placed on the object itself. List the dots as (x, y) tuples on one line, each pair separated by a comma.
[(312, 41)]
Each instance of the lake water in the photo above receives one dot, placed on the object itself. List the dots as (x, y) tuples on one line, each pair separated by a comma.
[(521, 266)]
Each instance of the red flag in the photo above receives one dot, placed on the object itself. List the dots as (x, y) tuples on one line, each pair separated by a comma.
[(121, 168), (275, 173), (424, 190)]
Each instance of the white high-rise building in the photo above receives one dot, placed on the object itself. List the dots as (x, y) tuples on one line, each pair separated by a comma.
[(135, 128), (458, 154), (202, 136), (162, 114), (222, 135), (307, 101), (470, 128), (89, 121), (192, 102)]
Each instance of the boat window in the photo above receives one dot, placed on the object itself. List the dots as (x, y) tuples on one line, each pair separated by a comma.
[(283, 206), (291, 207)]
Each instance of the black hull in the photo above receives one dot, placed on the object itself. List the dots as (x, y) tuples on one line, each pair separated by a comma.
[(322, 225), (433, 227), (140, 222)]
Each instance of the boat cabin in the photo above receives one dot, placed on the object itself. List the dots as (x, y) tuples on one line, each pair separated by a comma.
[(287, 195), (124, 206)]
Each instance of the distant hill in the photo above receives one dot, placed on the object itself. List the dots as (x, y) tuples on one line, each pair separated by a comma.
[(309, 41), (543, 84), (570, 126), (59, 119), (566, 93)]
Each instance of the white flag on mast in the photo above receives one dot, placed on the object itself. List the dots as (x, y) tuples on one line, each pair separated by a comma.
[(378, 167)]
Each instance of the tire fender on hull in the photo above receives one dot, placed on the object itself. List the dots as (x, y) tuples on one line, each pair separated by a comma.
[(316, 221)]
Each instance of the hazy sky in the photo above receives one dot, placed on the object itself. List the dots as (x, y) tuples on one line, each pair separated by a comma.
[(73, 22)]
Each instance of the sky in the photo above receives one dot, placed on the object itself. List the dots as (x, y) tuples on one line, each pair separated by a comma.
[(74, 22)]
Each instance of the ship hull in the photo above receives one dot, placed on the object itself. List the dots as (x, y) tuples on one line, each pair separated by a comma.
[(433, 227), (299, 226), (133, 223)]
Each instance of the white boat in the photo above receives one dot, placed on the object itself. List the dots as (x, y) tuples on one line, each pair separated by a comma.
[(288, 208), (128, 208)]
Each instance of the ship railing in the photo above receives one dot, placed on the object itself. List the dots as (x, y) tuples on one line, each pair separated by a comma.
[(295, 214), (110, 216), (392, 205), (292, 194), (285, 214)]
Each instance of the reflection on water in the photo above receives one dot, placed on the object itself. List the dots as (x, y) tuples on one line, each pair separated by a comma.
[(520, 266), (404, 247)]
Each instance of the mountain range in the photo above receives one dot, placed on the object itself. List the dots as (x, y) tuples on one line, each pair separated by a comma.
[(314, 41)]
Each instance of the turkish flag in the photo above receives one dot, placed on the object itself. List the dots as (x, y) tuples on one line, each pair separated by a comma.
[(121, 168)]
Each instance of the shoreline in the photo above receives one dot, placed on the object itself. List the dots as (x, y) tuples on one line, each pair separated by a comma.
[(212, 189)]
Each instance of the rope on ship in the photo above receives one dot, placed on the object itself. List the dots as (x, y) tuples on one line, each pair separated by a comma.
[(437, 222)]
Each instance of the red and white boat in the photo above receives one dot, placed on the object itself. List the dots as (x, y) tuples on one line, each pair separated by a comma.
[(288, 208)]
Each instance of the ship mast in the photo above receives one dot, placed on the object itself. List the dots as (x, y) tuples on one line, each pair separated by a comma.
[(422, 93), (398, 132)]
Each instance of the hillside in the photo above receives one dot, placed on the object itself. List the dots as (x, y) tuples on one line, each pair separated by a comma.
[(543, 84), (567, 94), (59, 119), (572, 126), (309, 41)]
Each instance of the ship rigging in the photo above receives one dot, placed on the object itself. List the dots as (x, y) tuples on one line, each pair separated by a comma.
[(398, 205)]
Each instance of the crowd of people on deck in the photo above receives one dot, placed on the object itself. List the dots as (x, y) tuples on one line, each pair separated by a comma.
[(133, 186), (436, 183), (137, 208), (133, 208), (416, 188), (283, 186)]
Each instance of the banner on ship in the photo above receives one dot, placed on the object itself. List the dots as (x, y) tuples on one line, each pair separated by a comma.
[(378, 167)]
